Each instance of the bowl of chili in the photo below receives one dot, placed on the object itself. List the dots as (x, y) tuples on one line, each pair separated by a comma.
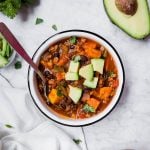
[(85, 78)]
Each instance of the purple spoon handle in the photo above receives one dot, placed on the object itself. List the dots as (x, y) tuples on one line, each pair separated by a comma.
[(18, 48)]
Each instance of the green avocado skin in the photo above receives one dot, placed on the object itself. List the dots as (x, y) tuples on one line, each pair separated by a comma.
[(126, 31)]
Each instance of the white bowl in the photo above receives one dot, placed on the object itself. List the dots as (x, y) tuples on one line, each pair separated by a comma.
[(37, 97)]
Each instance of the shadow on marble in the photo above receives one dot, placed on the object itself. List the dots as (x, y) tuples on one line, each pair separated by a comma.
[(147, 38), (26, 11), (125, 93)]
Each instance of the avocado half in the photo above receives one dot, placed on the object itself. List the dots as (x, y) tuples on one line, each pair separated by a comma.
[(137, 25)]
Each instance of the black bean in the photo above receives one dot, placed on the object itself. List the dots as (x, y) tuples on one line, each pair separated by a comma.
[(48, 75), (41, 67), (83, 59), (48, 103), (56, 54), (87, 62), (62, 104), (48, 89), (86, 89), (72, 46), (69, 82), (41, 88)]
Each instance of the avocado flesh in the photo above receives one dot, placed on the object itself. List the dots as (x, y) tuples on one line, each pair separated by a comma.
[(75, 93), (72, 76), (87, 72), (137, 26)]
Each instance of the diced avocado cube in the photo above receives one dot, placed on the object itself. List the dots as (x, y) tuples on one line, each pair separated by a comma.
[(72, 76), (3, 61), (75, 93), (74, 66), (87, 72), (91, 84), (77, 58), (98, 65)]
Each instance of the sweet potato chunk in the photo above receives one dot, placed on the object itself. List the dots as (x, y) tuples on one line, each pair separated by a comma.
[(105, 93), (89, 45), (93, 53), (60, 76), (90, 49), (93, 102), (53, 98), (63, 60)]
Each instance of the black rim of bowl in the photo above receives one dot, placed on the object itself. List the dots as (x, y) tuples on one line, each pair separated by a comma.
[(89, 32)]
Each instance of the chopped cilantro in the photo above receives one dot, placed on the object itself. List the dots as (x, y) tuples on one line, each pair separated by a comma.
[(88, 108), (59, 93), (111, 74), (39, 20), (73, 40), (58, 69), (18, 65), (77, 141), (8, 126), (54, 27)]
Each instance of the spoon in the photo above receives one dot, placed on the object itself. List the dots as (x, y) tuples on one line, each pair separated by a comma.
[(20, 50)]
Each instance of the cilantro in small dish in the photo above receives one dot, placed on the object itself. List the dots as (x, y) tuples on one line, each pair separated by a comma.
[(10, 8), (5, 52)]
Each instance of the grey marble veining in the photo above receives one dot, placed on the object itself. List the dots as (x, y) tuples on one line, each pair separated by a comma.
[(128, 126)]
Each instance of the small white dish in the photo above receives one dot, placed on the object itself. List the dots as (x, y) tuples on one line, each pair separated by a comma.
[(10, 59), (37, 97)]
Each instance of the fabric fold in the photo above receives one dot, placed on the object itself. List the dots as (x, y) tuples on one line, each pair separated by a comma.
[(30, 129)]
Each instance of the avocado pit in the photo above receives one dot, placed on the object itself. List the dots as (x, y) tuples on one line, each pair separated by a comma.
[(128, 7)]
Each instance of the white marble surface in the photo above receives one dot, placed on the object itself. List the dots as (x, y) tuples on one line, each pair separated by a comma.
[(128, 126)]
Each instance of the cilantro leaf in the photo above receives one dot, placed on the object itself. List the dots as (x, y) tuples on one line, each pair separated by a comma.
[(58, 69), (39, 20), (77, 141), (111, 74), (59, 92), (73, 40), (18, 65), (88, 108), (8, 126), (54, 27)]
